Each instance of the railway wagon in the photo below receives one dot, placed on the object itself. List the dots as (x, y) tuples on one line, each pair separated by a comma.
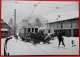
[(23, 33), (47, 30)]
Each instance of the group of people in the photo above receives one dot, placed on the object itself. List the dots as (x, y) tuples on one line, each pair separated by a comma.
[(60, 39), (41, 37), (37, 38), (59, 36)]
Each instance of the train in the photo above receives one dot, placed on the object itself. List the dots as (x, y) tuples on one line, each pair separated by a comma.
[(24, 33)]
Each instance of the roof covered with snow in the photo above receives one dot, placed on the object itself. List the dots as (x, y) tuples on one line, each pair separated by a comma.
[(2, 21), (64, 20)]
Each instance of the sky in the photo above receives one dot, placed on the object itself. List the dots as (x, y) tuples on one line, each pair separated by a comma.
[(48, 9)]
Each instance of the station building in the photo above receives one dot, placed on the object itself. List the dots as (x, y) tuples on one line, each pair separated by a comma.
[(69, 27)]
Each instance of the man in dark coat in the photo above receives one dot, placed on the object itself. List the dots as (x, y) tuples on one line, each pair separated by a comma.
[(60, 39)]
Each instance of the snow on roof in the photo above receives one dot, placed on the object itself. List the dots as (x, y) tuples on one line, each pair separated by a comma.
[(5, 22), (4, 29), (64, 20)]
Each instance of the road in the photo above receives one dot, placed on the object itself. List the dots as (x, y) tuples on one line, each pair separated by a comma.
[(25, 48)]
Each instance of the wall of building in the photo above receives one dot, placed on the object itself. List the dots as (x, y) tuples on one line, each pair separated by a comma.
[(69, 27), (65, 24), (4, 25)]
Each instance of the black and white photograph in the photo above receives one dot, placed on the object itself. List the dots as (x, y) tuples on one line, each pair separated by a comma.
[(39, 28)]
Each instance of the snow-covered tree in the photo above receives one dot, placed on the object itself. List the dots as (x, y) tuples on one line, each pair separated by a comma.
[(38, 22), (11, 24)]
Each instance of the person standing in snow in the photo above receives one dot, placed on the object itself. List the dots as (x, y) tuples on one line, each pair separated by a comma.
[(16, 37), (72, 43), (5, 45), (60, 39)]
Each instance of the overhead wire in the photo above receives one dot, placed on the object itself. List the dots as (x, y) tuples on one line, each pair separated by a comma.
[(45, 5), (35, 5), (49, 5), (51, 11)]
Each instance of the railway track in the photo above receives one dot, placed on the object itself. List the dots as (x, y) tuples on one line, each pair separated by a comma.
[(33, 47), (39, 49)]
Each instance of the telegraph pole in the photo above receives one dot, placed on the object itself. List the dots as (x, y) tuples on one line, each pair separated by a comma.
[(15, 22)]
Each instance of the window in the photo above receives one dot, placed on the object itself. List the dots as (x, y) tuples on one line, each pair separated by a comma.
[(32, 29), (48, 31), (28, 29), (36, 30)]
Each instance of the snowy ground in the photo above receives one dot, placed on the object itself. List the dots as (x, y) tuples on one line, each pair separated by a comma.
[(26, 48)]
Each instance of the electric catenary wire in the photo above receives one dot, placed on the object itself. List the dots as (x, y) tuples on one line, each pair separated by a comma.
[(51, 11), (34, 9)]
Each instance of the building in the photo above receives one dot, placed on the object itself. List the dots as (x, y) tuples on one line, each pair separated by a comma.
[(5, 29), (69, 27)]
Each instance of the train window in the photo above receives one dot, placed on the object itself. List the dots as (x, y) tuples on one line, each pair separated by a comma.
[(36, 30), (28, 29), (48, 31), (32, 29)]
